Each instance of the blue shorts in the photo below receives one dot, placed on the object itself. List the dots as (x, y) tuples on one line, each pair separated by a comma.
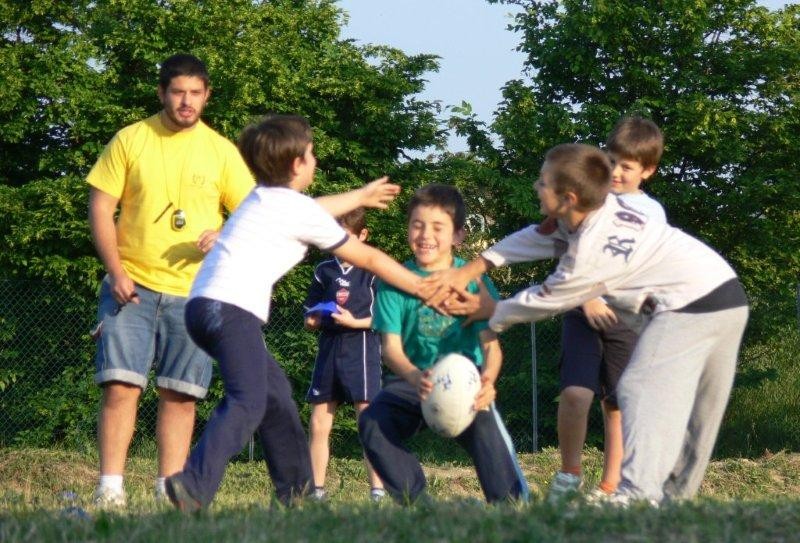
[(594, 359), (131, 338), (347, 368)]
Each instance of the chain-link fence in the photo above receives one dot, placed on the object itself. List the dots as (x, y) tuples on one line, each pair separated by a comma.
[(48, 396)]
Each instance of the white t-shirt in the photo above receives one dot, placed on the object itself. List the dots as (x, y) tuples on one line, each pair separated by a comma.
[(646, 204), (618, 253), (267, 235)]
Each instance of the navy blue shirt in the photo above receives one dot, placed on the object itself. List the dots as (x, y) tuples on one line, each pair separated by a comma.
[(351, 287)]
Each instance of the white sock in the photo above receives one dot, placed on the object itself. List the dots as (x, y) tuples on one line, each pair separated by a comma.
[(161, 486), (111, 482)]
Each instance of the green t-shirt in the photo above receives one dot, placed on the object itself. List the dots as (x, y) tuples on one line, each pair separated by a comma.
[(425, 333)]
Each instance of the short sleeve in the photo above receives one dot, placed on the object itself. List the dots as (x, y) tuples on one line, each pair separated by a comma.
[(316, 290), (319, 228), (237, 181), (388, 317), (110, 171)]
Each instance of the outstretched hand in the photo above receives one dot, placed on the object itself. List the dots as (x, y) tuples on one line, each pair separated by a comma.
[(439, 286), (379, 193)]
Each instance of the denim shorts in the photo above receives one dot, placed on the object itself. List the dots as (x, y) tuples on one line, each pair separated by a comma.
[(132, 338)]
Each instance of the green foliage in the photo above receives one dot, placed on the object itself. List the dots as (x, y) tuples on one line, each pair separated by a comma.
[(741, 501), (719, 78), (764, 411), (73, 73)]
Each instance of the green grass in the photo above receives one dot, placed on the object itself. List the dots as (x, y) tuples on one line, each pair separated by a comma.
[(741, 500)]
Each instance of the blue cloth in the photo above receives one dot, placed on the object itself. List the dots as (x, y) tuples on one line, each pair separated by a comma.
[(131, 337), (258, 396), (395, 416)]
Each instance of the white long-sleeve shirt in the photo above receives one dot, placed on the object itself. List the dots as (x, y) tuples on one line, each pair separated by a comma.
[(617, 252)]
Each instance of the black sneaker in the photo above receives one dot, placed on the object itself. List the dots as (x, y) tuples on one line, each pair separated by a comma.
[(180, 497)]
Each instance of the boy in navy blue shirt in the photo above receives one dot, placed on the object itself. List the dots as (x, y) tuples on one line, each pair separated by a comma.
[(348, 364)]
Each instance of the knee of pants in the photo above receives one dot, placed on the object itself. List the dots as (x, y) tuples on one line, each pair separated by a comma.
[(250, 406), (366, 423)]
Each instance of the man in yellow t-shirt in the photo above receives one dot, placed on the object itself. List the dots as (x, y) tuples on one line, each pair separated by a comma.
[(171, 177)]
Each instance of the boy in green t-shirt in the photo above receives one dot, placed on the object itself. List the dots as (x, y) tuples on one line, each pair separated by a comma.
[(414, 336)]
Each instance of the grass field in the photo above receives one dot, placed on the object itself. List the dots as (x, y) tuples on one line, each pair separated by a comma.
[(45, 497)]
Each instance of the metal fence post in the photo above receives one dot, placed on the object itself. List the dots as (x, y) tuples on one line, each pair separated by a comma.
[(534, 395)]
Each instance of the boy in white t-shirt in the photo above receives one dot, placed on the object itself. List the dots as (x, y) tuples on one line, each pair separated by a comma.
[(229, 304), (595, 345), (683, 298)]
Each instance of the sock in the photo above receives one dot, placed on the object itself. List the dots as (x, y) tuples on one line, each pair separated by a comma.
[(572, 470), (111, 482), (607, 487), (377, 492), (161, 486)]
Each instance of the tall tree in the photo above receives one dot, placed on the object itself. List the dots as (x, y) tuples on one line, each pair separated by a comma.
[(719, 77), (72, 73)]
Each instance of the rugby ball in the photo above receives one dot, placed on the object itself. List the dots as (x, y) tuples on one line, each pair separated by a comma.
[(450, 407)]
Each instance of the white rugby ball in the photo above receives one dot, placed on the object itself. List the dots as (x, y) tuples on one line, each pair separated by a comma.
[(450, 407)]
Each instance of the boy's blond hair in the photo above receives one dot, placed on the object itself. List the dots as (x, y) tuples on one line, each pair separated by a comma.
[(581, 169), (637, 138)]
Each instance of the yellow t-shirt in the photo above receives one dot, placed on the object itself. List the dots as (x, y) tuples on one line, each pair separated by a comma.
[(149, 167)]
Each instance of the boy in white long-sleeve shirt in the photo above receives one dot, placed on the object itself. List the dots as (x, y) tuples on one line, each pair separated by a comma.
[(682, 297)]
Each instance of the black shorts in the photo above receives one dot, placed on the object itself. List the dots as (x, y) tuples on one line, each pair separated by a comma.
[(347, 368), (594, 359)]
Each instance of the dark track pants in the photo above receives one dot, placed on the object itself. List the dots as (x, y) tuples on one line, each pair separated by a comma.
[(395, 415), (258, 397)]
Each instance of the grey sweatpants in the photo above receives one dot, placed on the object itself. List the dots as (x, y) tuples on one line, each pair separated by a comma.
[(673, 396)]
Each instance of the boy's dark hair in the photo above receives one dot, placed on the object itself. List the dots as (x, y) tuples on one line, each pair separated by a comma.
[(354, 221), (581, 169), (637, 138), (443, 196), (270, 146), (181, 64)]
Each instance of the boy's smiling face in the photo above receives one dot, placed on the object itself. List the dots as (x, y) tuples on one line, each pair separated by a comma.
[(431, 236), (628, 174)]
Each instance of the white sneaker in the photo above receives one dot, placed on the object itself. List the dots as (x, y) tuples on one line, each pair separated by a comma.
[(564, 487), (107, 498), (318, 494), (377, 495), (598, 498)]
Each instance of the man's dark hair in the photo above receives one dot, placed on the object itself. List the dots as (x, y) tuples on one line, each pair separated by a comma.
[(182, 64)]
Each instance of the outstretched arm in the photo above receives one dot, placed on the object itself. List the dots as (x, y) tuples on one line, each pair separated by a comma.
[(377, 194), (371, 259)]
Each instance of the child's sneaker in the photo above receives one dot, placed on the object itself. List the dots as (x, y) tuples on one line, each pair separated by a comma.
[(377, 495), (598, 498), (564, 487), (319, 494), (108, 498), (180, 497)]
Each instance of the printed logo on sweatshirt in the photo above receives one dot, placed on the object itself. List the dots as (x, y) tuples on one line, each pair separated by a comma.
[(619, 246)]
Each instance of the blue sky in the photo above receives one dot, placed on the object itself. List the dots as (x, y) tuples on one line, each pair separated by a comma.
[(477, 51)]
